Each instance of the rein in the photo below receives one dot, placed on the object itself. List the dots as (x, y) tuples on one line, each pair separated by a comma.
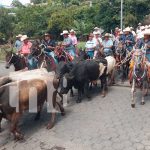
[(10, 58)]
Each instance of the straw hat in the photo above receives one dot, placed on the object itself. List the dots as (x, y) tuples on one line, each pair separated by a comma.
[(47, 34), (24, 37), (96, 33), (146, 32), (142, 27), (121, 33), (127, 29), (96, 28), (72, 31), (64, 32), (107, 35), (19, 36)]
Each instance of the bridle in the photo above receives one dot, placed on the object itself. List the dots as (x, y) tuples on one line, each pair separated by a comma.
[(12, 55)]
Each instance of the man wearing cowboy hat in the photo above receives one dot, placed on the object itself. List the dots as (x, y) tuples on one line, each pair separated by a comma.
[(107, 45), (73, 37), (18, 42), (129, 39), (50, 45), (26, 45), (68, 44), (147, 43)]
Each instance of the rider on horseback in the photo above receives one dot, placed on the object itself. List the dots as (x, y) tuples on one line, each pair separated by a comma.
[(107, 45), (68, 43), (129, 39), (25, 51), (49, 46), (147, 43)]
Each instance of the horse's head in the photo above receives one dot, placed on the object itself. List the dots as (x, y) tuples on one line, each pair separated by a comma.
[(120, 50), (138, 58), (35, 49), (10, 59)]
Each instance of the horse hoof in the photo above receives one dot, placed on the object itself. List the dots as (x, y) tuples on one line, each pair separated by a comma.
[(19, 136), (142, 103), (133, 105), (103, 95), (50, 126)]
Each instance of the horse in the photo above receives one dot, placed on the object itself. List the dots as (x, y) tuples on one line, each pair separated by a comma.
[(138, 76), (17, 60), (122, 60)]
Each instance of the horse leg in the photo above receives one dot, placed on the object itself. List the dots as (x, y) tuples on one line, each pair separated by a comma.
[(133, 92), (14, 128)]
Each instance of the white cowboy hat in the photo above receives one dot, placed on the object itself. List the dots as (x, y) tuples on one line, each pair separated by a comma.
[(96, 28), (24, 37), (19, 36), (142, 28), (146, 32), (96, 33), (127, 29), (64, 32), (121, 33), (107, 35), (47, 34), (72, 31)]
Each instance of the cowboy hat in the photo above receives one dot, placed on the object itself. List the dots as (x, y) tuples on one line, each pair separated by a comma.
[(64, 32), (127, 29), (107, 35), (96, 32), (24, 37), (19, 36), (142, 28), (146, 32), (121, 33), (139, 24), (96, 28), (47, 34), (72, 31)]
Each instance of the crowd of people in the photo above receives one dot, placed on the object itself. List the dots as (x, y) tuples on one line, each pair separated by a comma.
[(96, 42)]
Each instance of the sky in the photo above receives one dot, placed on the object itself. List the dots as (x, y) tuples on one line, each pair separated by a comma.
[(8, 2)]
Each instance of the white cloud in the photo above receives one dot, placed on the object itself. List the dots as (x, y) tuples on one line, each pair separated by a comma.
[(8, 2)]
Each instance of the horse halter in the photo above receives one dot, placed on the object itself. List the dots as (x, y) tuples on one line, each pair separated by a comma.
[(12, 55)]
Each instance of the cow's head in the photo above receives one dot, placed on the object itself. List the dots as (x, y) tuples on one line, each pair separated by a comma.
[(63, 68), (66, 83)]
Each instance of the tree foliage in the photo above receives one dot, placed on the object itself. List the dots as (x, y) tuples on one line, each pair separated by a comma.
[(58, 15)]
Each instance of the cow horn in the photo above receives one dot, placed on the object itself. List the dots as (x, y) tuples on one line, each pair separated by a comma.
[(68, 76)]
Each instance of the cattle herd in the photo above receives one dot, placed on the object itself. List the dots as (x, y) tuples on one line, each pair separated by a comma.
[(81, 74)]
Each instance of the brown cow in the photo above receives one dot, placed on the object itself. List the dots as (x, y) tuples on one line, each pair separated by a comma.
[(10, 113)]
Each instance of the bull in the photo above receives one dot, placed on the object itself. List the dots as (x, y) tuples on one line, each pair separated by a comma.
[(80, 74), (24, 96)]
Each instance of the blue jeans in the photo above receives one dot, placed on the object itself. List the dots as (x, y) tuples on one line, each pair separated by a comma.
[(90, 54), (72, 52), (32, 63), (52, 54)]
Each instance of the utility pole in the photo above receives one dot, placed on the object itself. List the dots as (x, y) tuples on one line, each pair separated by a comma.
[(121, 20)]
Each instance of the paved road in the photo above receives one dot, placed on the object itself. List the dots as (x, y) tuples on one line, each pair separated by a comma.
[(100, 124)]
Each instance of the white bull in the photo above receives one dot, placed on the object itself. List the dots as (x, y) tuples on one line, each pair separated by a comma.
[(111, 62)]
